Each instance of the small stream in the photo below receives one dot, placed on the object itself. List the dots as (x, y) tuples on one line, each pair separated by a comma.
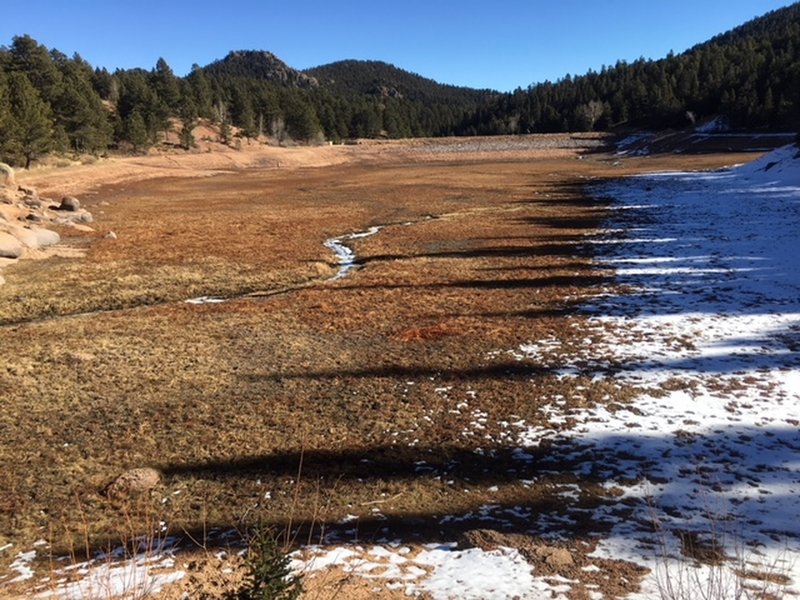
[(345, 255)]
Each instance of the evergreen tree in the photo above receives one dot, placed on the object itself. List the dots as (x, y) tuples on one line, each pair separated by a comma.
[(33, 59), (79, 111), (225, 131), (186, 136), (105, 85), (301, 121), (5, 114), (202, 92), (136, 131), (165, 85), (30, 129)]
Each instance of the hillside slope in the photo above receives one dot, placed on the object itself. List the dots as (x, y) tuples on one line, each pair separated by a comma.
[(749, 74)]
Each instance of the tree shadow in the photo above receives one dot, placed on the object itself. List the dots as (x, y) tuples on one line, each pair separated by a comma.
[(736, 473)]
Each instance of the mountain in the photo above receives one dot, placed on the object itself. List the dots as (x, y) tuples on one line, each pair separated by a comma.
[(749, 77), (259, 65), (352, 78)]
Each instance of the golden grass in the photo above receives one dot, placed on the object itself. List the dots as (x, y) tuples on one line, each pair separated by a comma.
[(226, 398)]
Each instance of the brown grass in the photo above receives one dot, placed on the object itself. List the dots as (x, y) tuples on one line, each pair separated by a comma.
[(224, 398)]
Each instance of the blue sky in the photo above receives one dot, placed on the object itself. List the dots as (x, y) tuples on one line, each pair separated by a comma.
[(487, 44)]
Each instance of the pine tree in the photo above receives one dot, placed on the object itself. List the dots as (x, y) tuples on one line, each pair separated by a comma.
[(80, 111), (165, 85), (30, 131), (33, 59), (136, 131), (201, 89), (186, 136), (5, 115)]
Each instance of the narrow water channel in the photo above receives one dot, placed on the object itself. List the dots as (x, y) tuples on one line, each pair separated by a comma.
[(345, 255)]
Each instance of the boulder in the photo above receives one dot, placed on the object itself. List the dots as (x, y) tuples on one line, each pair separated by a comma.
[(551, 558), (69, 203), (45, 237), (6, 175), (10, 246), (111, 235), (32, 202), (554, 556), (133, 482), (34, 237), (26, 236)]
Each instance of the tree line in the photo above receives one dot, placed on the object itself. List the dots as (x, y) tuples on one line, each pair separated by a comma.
[(750, 74), (51, 102)]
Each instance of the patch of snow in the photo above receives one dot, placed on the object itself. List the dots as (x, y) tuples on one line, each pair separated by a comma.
[(21, 565), (478, 574), (710, 335), (133, 578), (113, 574), (440, 570), (635, 139)]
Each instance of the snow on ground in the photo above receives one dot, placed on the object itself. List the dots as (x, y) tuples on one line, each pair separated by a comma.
[(116, 574), (710, 334), (708, 453), (441, 570), (707, 457)]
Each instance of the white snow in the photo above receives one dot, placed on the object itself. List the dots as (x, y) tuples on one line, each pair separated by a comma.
[(114, 575), (715, 125), (710, 334), (132, 578), (441, 570), (205, 300), (21, 565)]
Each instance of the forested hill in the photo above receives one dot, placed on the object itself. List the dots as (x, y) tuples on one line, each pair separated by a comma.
[(52, 102), (351, 78), (345, 99), (751, 75), (259, 65)]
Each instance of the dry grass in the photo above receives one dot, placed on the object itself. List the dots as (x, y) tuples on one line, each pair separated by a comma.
[(225, 398)]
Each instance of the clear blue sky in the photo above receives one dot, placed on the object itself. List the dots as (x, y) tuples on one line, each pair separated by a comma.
[(484, 44)]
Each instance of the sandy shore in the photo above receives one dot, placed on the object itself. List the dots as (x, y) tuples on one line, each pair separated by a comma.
[(212, 159)]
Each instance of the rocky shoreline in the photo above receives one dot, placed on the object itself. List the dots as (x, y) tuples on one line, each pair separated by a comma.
[(27, 219)]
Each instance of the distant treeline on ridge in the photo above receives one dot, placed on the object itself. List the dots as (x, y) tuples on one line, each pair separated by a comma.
[(51, 102)]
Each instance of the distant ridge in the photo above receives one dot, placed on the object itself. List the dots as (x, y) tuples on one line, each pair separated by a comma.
[(381, 79)]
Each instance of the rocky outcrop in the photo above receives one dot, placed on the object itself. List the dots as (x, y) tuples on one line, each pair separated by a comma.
[(260, 65), (24, 218)]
